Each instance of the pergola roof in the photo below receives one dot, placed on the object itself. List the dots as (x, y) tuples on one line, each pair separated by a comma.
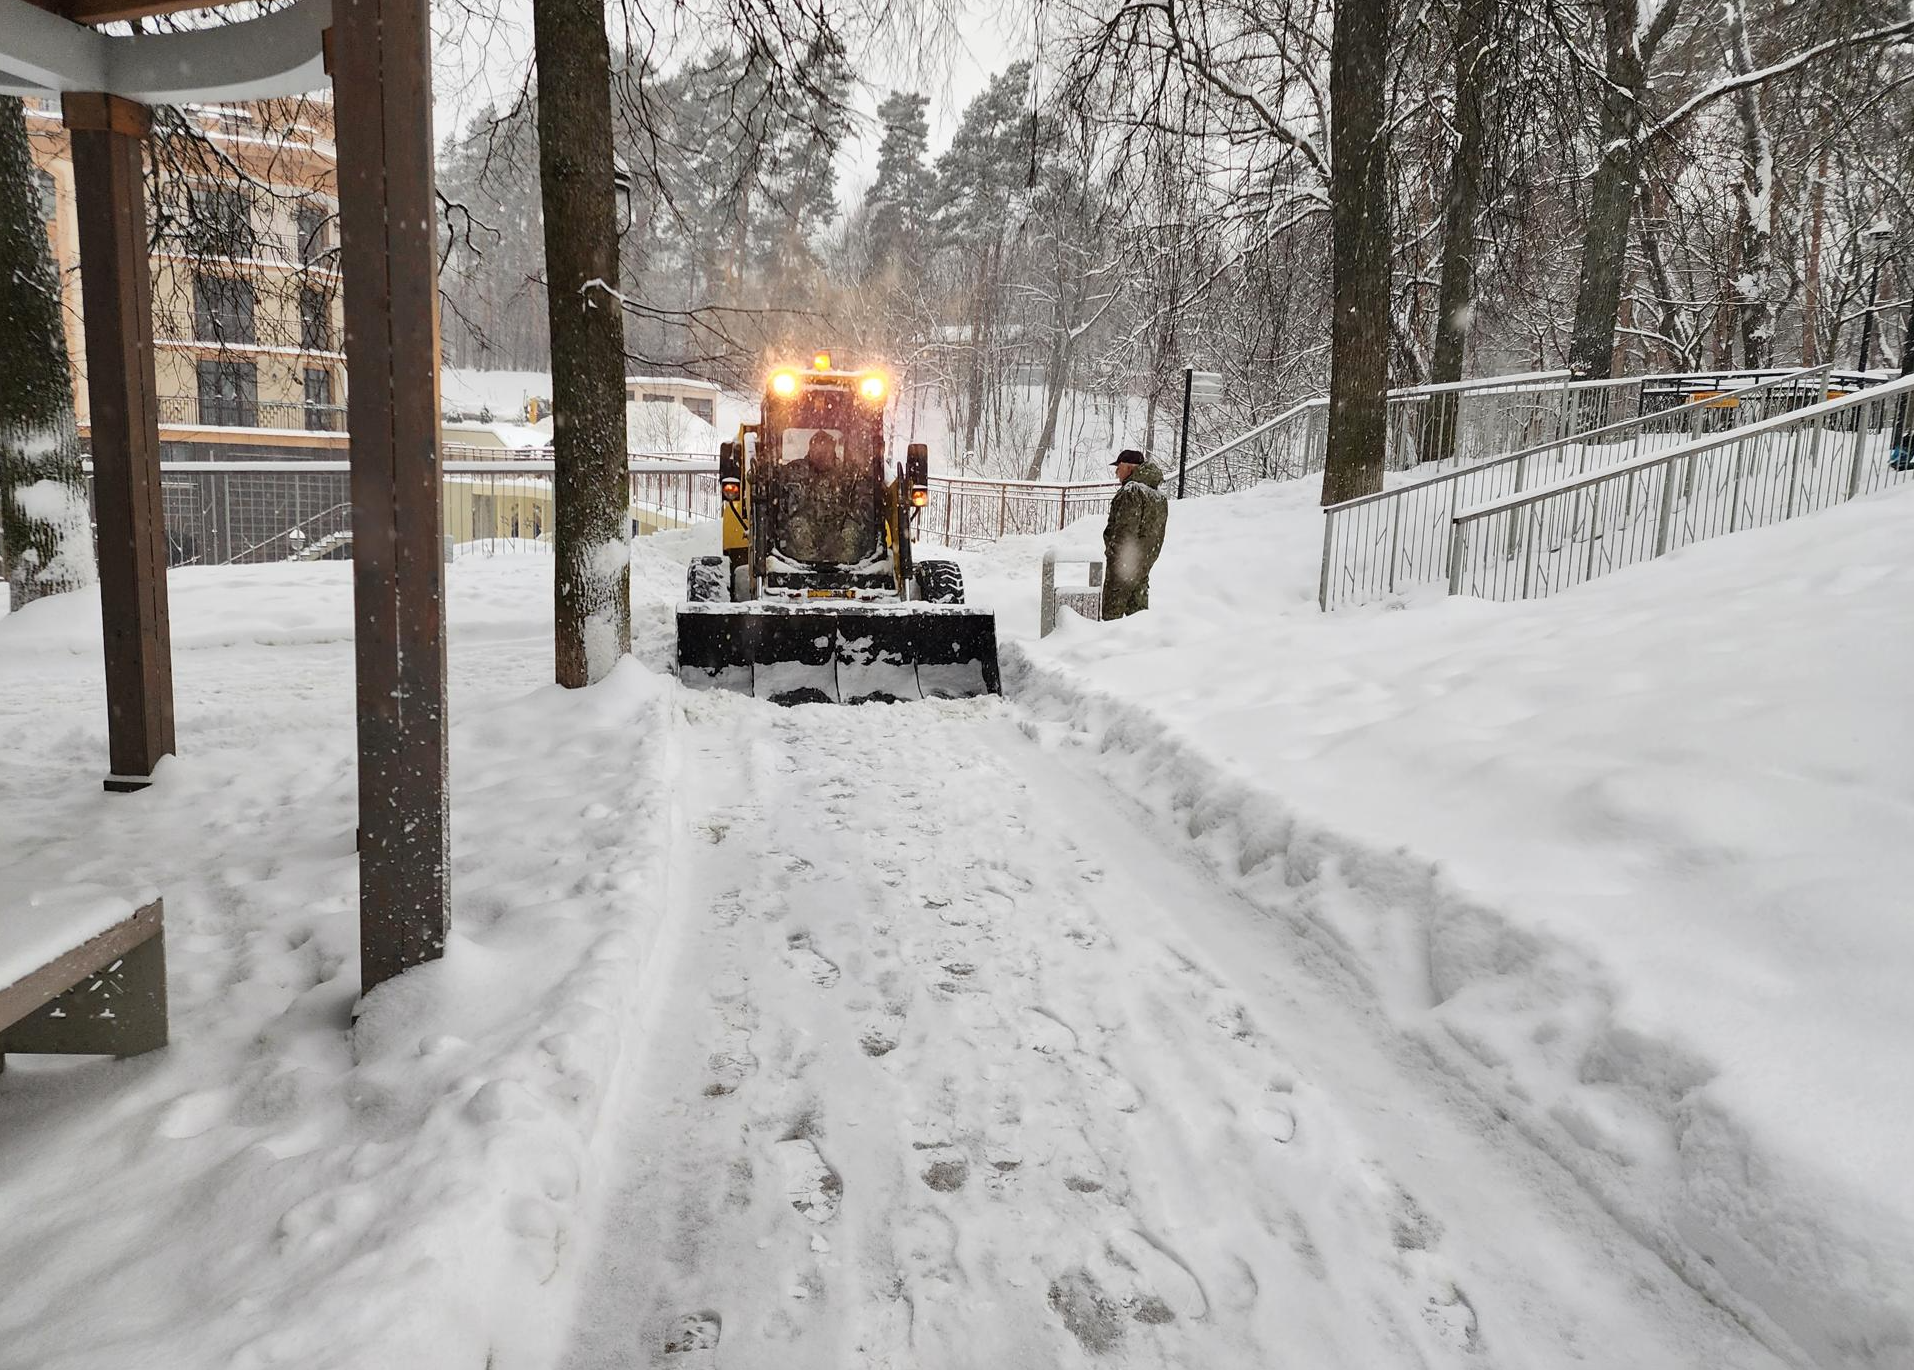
[(47, 47)]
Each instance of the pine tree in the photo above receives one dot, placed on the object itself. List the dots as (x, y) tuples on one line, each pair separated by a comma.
[(45, 531), (901, 198)]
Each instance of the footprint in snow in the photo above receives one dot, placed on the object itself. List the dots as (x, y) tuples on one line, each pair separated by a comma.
[(813, 1186), (1088, 1312), (801, 956), (729, 1067), (1150, 1280), (1449, 1313), (942, 1168), (696, 1332)]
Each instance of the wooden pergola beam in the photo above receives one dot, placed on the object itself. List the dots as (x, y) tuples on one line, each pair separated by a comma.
[(383, 115), (116, 295), (108, 11)]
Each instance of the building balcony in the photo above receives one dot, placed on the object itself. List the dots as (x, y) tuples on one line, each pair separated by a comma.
[(193, 411)]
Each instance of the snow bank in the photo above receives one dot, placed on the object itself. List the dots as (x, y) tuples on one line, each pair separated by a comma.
[(283, 1185), (1634, 863)]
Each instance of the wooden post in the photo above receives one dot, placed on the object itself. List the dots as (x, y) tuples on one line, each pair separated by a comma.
[(383, 103), (116, 294)]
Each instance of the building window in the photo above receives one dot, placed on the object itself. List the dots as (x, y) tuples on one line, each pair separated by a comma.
[(312, 227), (322, 417), (222, 309), (700, 409), (316, 320), (227, 394), (219, 223), (49, 197)]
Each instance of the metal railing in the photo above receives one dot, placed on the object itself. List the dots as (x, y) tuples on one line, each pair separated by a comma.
[(1380, 544), (221, 513), (963, 511), (238, 412), (1428, 423), (1541, 541)]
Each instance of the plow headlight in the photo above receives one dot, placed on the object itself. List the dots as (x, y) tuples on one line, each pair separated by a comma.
[(919, 497), (873, 388), (785, 384)]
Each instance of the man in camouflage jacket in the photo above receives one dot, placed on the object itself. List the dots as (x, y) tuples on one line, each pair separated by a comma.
[(830, 512), (1136, 526)]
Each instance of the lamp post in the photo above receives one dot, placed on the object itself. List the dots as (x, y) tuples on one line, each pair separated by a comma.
[(1877, 235)]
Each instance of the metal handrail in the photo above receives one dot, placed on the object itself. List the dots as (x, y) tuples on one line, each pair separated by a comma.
[(1586, 438), (1570, 530), (1378, 543), (1525, 382)]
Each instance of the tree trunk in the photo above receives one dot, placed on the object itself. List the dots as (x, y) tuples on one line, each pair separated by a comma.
[(1363, 274), (1810, 349), (1474, 62), (1057, 357), (1603, 258), (44, 524), (1753, 289), (592, 628)]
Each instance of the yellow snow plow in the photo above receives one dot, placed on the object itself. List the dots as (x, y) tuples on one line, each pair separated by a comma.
[(816, 595)]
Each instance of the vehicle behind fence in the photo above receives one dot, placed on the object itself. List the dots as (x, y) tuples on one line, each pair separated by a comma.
[(1543, 540), (1384, 543)]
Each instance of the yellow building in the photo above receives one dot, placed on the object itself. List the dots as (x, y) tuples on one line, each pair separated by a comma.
[(247, 320)]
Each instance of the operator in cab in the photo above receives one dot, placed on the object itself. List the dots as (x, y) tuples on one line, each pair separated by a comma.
[(829, 507)]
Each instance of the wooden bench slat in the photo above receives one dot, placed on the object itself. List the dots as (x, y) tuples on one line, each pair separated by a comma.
[(64, 972)]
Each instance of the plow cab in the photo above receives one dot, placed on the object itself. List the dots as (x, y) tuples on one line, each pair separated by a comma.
[(815, 595)]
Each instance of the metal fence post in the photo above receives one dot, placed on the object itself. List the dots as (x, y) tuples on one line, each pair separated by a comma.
[(1457, 558), (1663, 535), (1859, 469), (1046, 592), (1393, 546), (1003, 511), (1739, 469), (1063, 506), (1326, 558)]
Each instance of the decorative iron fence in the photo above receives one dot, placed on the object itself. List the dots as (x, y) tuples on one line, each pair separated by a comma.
[(1541, 541), (965, 511), (1382, 543)]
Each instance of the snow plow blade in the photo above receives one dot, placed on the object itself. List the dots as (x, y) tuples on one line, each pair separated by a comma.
[(842, 653)]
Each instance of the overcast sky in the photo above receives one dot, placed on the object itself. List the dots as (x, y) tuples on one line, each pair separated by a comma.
[(478, 62)]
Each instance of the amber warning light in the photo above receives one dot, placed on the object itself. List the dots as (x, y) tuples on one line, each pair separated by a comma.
[(823, 361)]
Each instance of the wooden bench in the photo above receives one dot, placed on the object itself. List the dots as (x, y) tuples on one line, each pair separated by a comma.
[(105, 995)]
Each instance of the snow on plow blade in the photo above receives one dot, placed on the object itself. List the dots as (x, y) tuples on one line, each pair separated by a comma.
[(841, 653)]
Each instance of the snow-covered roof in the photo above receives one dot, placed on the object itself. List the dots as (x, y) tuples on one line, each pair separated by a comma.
[(682, 382)]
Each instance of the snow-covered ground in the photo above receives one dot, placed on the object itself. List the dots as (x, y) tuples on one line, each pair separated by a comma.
[(1444, 984), (1636, 863)]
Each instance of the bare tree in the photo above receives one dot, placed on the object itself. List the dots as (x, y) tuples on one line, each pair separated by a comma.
[(592, 616), (1363, 278)]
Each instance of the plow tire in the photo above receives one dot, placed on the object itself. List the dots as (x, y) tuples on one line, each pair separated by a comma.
[(940, 582), (709, 581)]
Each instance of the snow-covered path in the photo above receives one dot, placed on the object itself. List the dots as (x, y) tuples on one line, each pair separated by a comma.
[(956, 1057)]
